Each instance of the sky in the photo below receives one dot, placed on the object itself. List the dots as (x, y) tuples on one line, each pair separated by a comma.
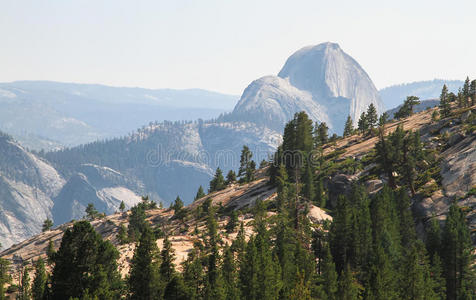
[(223, 45)]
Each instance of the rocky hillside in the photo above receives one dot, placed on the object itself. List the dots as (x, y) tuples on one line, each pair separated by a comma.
[(322, 80), (183, 234), (31, 190)]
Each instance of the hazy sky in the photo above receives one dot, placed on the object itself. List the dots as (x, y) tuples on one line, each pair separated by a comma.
[(223, 45)]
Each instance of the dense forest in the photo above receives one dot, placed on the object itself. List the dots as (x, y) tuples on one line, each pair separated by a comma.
[(371, 249)]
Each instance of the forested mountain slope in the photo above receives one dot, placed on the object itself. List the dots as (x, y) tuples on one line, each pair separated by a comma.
[(390, 209)]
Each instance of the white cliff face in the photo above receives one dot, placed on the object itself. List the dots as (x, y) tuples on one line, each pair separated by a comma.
[(27, 185), (322, 80), (272, 101)]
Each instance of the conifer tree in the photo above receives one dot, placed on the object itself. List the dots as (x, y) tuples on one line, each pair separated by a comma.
[(230, 177), (229, 271), (466, 91), (144, 279), (456, 254), (245, 160), (329, 275), (218, 182), (363, 125), (322, 133), (214, 285), (193, 274), (472, 92), (4, 276), (175, 289), (91, 212), (341, 234), (383, 119), (24, 292), (308, 180), (348, 127), (439, 282), (321, 195), (433, 238), (200, 193), (122, 206), (47, 224), (167, 266), (407, 108), (362, 228), (348, 288), (179, 211), (85, 263), (372, 116), (233, 222), (417, 282), (445, 105), (40, 281)]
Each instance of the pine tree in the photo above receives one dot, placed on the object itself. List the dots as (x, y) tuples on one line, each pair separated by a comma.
[(47, 224), (329, 275), (91, 212), (417, 282), (372, 116), (439, 282), (193, 274), (445, 105), (39, 283), (407, 108), (167, 266), (230, 275), (122, 235), (122, 206), (341, 234), (321, 195), (144, 279), (466, 92), (362, 228), (245, 160), (218, 182), (349, 127), (322, 133), (308, 180), (24, 291), (214, 285), (456, 254), (348, 288), (233, 222), (200, 194), (85, 263), (472, 92), (50, 251), (363, 125), (383, 119), (4, 276), (230, 177), (179, 211), (175, 289), (433, 238)]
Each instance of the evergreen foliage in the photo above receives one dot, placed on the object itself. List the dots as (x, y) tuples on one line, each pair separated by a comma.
[(348, 127), (85, 264), (47, 224), (218, 182)]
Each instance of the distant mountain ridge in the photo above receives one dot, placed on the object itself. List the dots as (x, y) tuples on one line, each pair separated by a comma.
[(48, 115), (394, 95)]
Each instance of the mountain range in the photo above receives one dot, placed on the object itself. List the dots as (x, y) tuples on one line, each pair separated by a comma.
[(51, 115)]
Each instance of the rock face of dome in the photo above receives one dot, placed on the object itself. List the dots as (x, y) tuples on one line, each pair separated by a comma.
[(322, 80)]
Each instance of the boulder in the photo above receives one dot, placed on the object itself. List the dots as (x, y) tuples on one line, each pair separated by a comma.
[(373, 185), (455, 138)]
